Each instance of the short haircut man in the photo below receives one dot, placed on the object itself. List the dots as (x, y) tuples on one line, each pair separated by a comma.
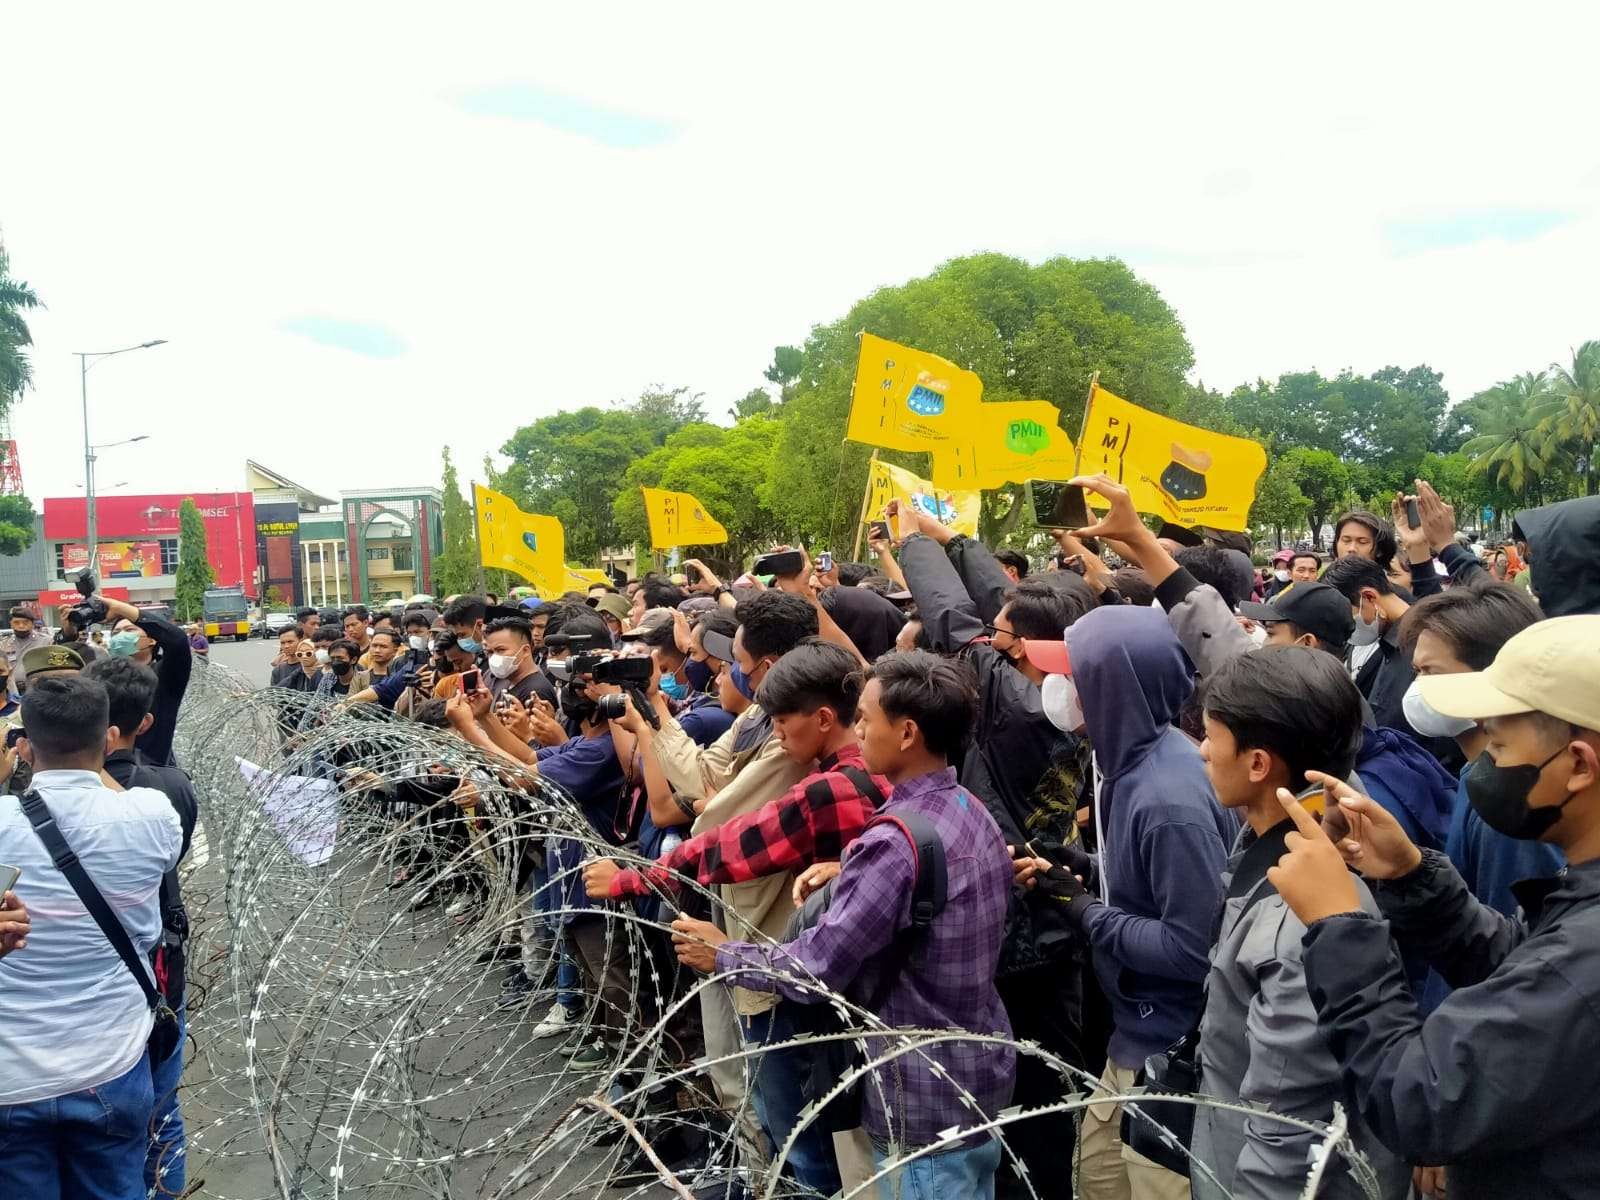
[(1296, 703), (1366, 534), (1041, 608), (1349, 574), (772, 623), (939, 694), (66, 717), (815, 674), (1014, 563), (464, 612), (659, 593), (1473, 620), (130, 691), (1134, 586), (1227, 570), (1304, 566), (515, 626)]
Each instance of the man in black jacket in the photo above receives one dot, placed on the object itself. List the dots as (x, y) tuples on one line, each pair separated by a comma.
[(165, 649), (1501, 1082), (132, 688), (1029, 774)]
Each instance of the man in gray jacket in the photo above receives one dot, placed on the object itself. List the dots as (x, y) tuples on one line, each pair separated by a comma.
[(1501, 1082), (1269, 718)]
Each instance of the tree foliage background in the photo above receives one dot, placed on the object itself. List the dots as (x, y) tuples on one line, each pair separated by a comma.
[(782, 471), (194, 562), (455, 567)]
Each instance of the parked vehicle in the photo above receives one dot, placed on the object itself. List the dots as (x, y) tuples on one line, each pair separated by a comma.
[(275, 623), (226, 613)]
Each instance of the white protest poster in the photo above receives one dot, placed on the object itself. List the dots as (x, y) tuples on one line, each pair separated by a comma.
[(304, 811)]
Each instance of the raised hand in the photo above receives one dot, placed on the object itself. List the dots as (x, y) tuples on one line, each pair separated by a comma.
[(1365, 833), (1311, 876)]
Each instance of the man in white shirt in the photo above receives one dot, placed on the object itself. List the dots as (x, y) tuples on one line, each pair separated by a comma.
[(75, 1085)]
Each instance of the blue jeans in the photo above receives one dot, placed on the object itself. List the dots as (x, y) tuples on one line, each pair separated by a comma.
[(964, 1174), (775, 1089), (87, 1145), (166, 1155)]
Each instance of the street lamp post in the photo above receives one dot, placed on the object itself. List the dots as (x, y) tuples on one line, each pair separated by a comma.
[(84, 363)]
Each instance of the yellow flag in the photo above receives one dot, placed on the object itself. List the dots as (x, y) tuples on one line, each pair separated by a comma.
[(525, 544), (581, 579), (958, 510), (1013, 441), (906, 399), (678, 519), (1188, 475)]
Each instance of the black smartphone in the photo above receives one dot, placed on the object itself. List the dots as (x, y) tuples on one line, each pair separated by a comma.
[(779, 563), (470, 680), (1058, 505), (1413, 517), (878, 531), (12, 734), (691, 573)]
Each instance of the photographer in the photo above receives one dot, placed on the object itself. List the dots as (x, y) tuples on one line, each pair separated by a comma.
[(163, 647)]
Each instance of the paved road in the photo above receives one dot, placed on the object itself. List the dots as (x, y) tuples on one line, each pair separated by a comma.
[(252, 658)]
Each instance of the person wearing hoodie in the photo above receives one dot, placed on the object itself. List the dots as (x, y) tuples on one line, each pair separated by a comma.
[(1163, 843), (1269, 719)]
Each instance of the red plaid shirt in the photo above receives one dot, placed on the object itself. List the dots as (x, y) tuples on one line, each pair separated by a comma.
[(812, 822)]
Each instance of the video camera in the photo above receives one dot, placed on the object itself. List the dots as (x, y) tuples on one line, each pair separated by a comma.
[(91, 610), (609, 667)]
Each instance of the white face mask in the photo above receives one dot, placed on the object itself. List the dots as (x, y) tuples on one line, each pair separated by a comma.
[(1428, 720), (1257, 635), (417, 642), (1282, 575), (369, 630), (1059, 695), (501, 665), (322, 656), (1366, 632)]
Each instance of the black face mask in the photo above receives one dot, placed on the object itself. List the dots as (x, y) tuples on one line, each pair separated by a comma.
[(1500, 796), (342, 668)]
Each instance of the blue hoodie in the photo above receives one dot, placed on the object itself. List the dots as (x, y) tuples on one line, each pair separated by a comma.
[(1163, 836)]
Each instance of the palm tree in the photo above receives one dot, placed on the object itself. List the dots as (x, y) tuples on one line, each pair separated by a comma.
[(1511, 450), (16, 372), (1569, 417)]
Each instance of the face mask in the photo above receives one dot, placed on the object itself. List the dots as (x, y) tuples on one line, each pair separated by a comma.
[(343, 668), (741, 682), (1500, 796), (501, 665), (1428, 720), (369, 630), (1366, 632), (1257, 636), (1059, 695), (124, 644), (672, 689), (1281, 576), (417, 642), (322, 657), (468, 646)]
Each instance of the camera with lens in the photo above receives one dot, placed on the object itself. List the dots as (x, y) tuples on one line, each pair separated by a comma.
[(606, 667), (91, 610)]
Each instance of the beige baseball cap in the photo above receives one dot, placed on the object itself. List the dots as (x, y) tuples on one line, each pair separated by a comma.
[(1552, 667)]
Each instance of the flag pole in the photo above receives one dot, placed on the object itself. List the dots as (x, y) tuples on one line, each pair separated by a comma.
[(483, 584), (1094, 384), (866, 499)]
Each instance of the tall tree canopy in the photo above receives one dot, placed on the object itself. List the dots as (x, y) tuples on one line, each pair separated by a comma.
[(455, 567), (16, 371), (1029, 332), (194, 562)]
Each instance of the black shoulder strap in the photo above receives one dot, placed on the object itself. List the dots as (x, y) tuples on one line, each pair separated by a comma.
[(928, 894), (862, 782), (67, 863)]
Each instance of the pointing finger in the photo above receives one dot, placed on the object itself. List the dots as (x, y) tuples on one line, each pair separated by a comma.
[(1303, 821)]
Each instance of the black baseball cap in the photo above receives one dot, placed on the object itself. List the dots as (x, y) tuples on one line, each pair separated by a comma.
[(1315, 607)]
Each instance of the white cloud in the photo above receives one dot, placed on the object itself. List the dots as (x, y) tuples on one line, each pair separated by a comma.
[(209, 174)]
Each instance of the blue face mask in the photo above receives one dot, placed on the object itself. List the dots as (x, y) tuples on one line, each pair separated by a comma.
[(672, 689), (468, 645), (124, 644), (741, 682)]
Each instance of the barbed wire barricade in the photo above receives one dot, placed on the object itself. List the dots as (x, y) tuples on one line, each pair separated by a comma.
[(359, 887)]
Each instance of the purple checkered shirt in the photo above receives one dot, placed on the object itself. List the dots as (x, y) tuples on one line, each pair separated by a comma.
[(949, 982)]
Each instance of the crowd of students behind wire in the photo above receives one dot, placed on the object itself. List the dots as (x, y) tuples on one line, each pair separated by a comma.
[(1129, 753), (1115, 774)]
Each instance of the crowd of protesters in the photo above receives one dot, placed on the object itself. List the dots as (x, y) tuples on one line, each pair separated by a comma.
[(1318, 842)]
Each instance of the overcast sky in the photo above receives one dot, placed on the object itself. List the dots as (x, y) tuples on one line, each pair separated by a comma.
[(370, 231)]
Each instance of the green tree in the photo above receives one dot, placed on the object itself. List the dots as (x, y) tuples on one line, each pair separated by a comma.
[(727, 470), (787, 363), (569, 465), (753, 403), (1029, 332), (455, 567), (1279, 503), (16, 371), (1323, 479), (1510, 449), (16, 524), (1569, 415), (194, 562)]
